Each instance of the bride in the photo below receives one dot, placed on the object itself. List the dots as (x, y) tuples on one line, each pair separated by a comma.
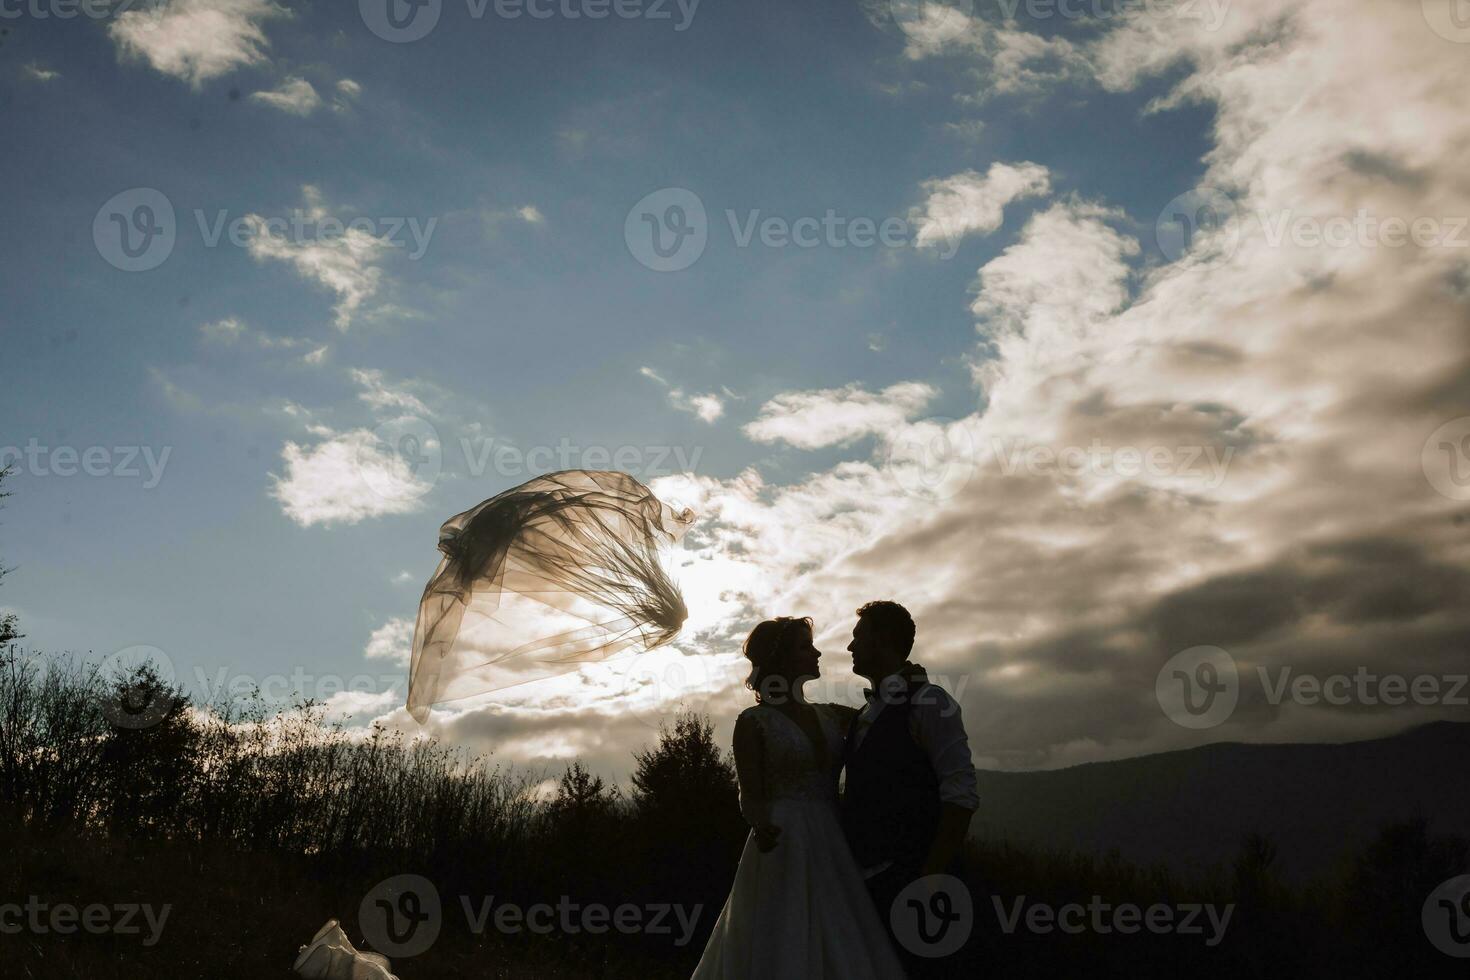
[(798, 908)]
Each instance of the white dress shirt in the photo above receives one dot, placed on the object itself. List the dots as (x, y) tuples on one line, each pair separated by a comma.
[(937, 728)]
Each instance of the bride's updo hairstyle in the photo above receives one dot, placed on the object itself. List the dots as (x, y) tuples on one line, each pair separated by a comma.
[(767, 647)]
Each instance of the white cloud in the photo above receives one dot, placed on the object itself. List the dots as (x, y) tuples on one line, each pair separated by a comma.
[(391, 641), (382, 396), (196, 40), (708, 407), (346, 478), (1067, 272), (36, 73), (527, 214), (970, 203), (294, 95), (347, 264), (967, 130), (347, 93), (1013, 60), (224, 331), (838, 416), (230, 330)]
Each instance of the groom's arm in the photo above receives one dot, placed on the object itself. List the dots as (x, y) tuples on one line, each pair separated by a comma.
[(954, 824), (940, 731)]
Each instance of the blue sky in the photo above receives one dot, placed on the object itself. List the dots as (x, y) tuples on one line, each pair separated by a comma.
[(520, 147)]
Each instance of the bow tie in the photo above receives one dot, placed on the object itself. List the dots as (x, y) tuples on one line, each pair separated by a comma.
[(907, 675)]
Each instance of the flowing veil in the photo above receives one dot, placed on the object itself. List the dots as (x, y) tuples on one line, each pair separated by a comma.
[(562, 570)]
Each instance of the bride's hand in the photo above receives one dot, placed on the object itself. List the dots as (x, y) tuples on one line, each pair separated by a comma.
[(765, 837)]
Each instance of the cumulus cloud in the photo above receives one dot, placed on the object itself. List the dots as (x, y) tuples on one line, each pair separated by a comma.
[(295, 96), (391, 641), (196, 40), (838, 416), (36, 73), (971, 203), (346, 478)]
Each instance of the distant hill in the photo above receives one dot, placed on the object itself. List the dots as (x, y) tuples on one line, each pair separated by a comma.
[(1190, 808)]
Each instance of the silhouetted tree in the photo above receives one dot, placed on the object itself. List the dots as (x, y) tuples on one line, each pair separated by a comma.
[(582, 797), (151, 751), (585, 825), (1387, 886), (687, 812), (686, 767), (8, 622)]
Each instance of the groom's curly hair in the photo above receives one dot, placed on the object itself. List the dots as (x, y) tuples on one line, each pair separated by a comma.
[(892, 621)]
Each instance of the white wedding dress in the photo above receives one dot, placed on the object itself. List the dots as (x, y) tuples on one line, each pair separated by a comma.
[(800, 911)]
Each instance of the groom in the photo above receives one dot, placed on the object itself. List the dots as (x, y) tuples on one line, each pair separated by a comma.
[(910, 782)]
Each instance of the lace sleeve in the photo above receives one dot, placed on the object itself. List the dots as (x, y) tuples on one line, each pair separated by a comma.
[(750, 769)]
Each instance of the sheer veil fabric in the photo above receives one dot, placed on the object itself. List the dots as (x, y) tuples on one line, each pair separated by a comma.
[(562, 570)]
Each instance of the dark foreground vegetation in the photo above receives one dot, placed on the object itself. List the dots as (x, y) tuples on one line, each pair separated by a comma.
[(254, 828)]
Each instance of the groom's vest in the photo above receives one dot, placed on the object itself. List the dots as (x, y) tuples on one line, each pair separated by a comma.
[(890, 809)]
